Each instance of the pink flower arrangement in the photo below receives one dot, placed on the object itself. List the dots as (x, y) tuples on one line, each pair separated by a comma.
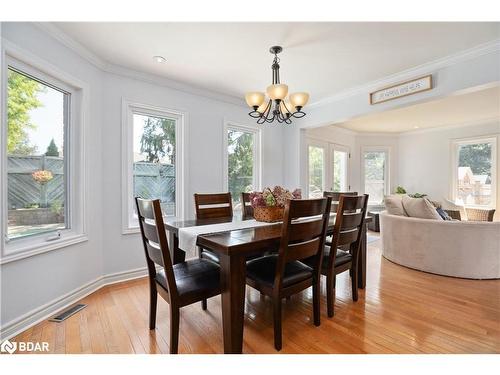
[(42, 176), (275, 197)]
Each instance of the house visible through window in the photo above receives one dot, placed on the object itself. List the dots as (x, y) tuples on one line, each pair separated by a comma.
[(37, 156), (375, 175), (154, 159), (474, 180), (242, 162)]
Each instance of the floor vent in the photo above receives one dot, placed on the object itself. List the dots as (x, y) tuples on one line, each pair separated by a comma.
[(67, 313)]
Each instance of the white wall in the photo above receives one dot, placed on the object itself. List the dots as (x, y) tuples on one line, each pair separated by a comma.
[(204, 141), (470, 69), (425, 158), (32, 282), (31, 285)]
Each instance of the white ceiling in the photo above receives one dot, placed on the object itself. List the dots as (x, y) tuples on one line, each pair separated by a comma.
[(469, 108), (321, 58)]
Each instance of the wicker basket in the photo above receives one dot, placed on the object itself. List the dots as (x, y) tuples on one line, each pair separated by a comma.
[(268, 214)]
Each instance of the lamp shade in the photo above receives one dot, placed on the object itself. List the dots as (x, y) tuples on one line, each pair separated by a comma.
[(254, 99), (263, 106), (277, 91), (299, 99)]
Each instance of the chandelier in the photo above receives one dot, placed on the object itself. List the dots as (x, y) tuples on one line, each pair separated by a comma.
[(275, 104)]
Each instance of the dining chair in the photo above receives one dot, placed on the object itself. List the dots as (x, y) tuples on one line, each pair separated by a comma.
[(212, 206), (347, 231), (282, 275), (335, 195), (181, 284), (246, 206)]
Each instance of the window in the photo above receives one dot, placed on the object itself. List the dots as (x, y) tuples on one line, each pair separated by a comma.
[(242, 146), (43, 169), (473, 172), (316, 171), (152, 141), (328, 168), (340, 168), (37, 119), (375, 173)]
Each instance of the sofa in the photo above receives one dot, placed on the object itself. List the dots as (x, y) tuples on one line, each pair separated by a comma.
[(452, 248)]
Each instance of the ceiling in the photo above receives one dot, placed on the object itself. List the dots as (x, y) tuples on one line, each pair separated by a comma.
[(321, 58), (469, 108)]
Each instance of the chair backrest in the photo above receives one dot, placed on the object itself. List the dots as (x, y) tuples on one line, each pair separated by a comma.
[(246, 206), (348, 227), (305, 223), (154, 239), (212, 206), (335, 195)]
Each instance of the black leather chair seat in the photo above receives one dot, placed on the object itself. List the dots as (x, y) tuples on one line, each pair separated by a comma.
[(193, 276), (341, 258), (207, 254), (263, 270)]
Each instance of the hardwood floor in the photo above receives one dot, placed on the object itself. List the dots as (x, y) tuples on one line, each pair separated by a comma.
[(400, 311)]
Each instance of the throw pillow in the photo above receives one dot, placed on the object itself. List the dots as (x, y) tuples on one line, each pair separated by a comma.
[(420, 207), (394, 205), (443, 214)]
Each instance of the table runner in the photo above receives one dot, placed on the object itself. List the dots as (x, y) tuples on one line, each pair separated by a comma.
[(188, 236)]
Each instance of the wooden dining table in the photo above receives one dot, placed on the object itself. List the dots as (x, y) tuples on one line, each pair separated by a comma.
[(233, 249)]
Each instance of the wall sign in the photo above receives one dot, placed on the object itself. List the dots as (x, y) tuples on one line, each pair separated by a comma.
[(402, 89)]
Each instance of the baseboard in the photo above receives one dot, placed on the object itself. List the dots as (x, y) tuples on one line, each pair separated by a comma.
[(35, 316)]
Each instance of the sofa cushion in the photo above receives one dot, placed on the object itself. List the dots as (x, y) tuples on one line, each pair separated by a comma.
[(420, 207), (394, 205)]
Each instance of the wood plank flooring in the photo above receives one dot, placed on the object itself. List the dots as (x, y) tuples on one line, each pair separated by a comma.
[(401, 311)]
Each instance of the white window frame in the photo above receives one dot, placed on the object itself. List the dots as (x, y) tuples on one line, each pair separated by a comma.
[(455, 144), (340, 148), (387, 170), (310, 142), (329, 149), (75, 166), (257, 159), (130, 223)]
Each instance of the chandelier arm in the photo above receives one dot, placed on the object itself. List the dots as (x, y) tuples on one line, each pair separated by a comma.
[(273, 110), (299, 114)]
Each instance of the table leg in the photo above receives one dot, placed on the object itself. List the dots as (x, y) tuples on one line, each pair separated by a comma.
[(178, 255), (362, 262), (233, 278)]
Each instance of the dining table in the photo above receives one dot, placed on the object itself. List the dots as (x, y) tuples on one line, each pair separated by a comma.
[(234, 247)]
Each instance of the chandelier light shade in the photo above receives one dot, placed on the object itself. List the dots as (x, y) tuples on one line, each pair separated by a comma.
[(255, 98), (277, 92), (275, 104)]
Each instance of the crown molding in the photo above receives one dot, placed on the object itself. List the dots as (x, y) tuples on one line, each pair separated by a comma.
[(172, 84), (426, 68), (423, 69), (56, 33)]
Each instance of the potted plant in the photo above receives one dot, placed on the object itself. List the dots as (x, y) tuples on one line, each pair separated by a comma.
[(269, 205), (42, 177)]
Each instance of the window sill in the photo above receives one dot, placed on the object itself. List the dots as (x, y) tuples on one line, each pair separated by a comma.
[(30, 250), (131, 230)]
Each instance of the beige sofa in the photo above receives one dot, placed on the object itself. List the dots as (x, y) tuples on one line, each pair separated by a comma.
[(452, 248)]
